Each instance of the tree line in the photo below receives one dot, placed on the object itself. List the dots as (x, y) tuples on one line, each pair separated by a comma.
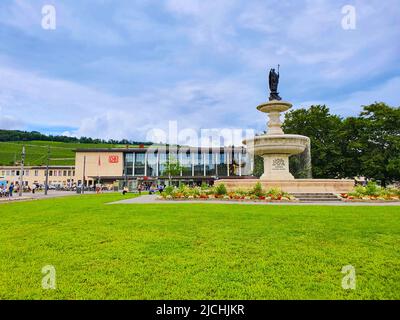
[(366, 145), (17, 135)]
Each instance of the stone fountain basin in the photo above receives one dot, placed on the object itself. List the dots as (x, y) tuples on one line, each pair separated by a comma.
[(289, 144), (274, 106)]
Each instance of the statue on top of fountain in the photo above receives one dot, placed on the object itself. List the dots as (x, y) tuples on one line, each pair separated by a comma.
[(273, 85)]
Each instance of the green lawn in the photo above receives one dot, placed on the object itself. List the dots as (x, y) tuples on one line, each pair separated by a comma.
[(200, 251)]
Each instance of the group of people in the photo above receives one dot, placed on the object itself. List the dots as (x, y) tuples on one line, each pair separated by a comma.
[(7, 190), (153, 188)]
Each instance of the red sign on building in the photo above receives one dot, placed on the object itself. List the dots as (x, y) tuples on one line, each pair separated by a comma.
[(113, 159)]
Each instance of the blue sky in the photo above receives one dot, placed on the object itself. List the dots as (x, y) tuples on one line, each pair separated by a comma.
[(117, 69)]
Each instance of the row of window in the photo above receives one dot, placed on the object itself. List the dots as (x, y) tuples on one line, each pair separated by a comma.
[(27, 183), (192, 164), (61, 173), (13, 173), (55, 173)]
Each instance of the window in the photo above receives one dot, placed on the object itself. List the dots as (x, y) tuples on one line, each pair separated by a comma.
[(186, 163), (65, 173), (221, 165), (50, 173), (210, 164), (59, 173), (128, 164), (151, 163), (69, 173), (55, 173), (3, 173), (198, 164), (247, 164), (162, 161), (36, 173), (139, 164), (234, 164), (26, 173)]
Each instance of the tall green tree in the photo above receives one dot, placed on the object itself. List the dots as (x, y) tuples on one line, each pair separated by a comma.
[(377, 142), (323, 129)]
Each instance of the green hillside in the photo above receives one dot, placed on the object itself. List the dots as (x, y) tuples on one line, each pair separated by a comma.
[(61, 153)]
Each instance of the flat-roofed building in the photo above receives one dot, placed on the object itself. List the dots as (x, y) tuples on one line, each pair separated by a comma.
[(117, 167), (62, 176), (120, 166)]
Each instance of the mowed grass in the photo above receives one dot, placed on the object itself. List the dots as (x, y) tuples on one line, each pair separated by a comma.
[(196, 251)]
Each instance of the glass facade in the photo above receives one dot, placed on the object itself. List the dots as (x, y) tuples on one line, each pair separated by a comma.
[(194, 162), (139, 164), (162, 164), (128, 168), (222, 167), (186, 163), (210, 164), (198, 162), (152, 164)]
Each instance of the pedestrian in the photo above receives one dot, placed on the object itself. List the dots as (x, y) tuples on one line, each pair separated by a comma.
[(33, 188), (11, 189)]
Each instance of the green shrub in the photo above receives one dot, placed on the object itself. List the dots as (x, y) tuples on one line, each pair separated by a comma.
[(359, 191), (204, 186), (169, 190), (274, 192), (220, 189), (257, 190), (372, 189)]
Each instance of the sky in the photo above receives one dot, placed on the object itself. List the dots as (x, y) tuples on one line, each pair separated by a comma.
[(120, 69)]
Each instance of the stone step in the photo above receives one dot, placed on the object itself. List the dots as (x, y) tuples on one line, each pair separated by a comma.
[(316, 197), (313, 195), (319, 200)]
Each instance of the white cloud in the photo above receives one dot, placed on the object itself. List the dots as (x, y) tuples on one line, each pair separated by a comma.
[(212, 57), (194, 104), (8, 122), (350, 104)]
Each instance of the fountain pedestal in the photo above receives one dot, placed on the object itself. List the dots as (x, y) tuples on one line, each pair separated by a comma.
[(275, 146)]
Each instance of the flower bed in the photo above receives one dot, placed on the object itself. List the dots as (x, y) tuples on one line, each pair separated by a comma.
[(371, 193), (257, 194)]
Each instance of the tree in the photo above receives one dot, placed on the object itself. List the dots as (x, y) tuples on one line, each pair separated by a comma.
[(258, 166), (323, 129), (378, 142), (172, 168)]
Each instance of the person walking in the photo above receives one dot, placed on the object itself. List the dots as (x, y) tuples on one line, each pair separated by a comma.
[(11, 189), (33, 188)]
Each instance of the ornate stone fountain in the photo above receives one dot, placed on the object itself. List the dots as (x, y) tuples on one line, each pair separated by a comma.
[(275, 146)]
